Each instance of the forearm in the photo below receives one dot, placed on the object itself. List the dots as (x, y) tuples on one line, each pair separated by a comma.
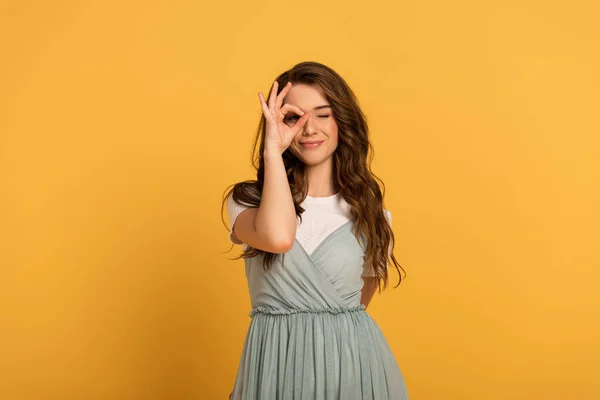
[(276, 216)]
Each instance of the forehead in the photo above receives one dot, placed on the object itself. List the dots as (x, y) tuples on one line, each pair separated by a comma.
[(305, 96)]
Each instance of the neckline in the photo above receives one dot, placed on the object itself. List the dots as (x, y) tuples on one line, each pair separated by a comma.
[(331, 235), (325, 199)]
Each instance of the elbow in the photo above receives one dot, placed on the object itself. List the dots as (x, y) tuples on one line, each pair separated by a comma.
[(282, 245), (282, 242), (276, 240)]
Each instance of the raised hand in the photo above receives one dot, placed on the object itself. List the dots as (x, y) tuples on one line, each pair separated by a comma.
[(279, 136)]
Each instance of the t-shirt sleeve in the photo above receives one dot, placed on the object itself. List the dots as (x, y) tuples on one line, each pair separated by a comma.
[(369, 271), (233, 210)]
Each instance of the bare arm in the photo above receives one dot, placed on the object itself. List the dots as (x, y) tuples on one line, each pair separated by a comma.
[(272, 225), (368, 290), (370, 282)]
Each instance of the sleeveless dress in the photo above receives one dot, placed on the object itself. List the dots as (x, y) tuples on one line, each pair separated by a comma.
[(309, 337)]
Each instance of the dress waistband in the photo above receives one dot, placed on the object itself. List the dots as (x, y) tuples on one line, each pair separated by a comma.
[(275, 311)]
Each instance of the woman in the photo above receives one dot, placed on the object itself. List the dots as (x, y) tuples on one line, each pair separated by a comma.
[(316, 243)]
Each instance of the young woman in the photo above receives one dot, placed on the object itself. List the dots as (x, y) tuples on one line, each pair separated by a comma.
[(317, 240)]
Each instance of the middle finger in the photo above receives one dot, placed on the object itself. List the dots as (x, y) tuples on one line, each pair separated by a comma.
[(272, 96)]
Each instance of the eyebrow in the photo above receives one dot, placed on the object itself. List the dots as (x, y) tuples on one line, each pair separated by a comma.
[(320, 107)]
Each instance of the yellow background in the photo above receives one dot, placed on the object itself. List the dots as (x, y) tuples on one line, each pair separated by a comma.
[(122, 123)]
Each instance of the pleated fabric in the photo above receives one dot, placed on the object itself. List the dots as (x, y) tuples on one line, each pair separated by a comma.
[(309, 337)]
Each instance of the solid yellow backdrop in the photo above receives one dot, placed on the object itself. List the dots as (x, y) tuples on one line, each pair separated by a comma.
[(121, 124)]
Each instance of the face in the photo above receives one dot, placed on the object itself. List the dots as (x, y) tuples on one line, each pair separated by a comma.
[(320, 127)]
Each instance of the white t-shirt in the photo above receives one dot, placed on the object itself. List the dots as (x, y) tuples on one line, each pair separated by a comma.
[(322, 216)]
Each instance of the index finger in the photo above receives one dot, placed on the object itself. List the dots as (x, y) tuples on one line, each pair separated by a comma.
[(282, 94)]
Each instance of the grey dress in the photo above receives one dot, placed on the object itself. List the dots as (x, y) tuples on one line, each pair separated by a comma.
[(309, 337)]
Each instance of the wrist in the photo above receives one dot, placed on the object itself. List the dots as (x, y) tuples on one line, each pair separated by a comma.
[(272, 152)]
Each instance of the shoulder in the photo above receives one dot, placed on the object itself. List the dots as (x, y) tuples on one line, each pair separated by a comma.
[(232, 203), (388, 214), (344, 208), (234, 208)]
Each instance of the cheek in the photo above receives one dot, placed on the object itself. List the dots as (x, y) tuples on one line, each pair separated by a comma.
[(334, 144), (332, 130), (333, 136)]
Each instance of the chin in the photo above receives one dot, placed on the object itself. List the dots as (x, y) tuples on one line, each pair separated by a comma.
[(311, 157)]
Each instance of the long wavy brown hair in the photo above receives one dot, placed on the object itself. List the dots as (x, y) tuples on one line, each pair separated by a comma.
[(352, 175)]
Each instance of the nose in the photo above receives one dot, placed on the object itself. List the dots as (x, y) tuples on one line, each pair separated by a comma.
[(309, 127)]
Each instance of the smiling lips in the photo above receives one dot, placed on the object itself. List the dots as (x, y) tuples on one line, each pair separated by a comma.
[(312, 144)]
